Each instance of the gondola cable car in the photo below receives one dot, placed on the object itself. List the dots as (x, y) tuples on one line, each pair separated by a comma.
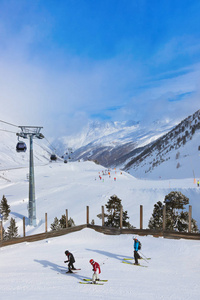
[(53, 157), (21, 147)]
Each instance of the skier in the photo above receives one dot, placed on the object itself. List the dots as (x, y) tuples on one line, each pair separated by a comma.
[(198, 183), (136, 248), (96, 269), (71, 261)]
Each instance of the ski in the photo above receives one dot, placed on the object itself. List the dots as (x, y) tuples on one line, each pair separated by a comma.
[(68, 271), (88, 282), (130, 263), (100, 280)]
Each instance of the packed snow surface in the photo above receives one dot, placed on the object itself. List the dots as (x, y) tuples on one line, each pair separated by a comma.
[(33, 270)]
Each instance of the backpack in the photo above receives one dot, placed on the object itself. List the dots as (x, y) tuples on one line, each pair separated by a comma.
[(140, 245)]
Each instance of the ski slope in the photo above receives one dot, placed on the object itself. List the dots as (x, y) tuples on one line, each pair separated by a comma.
[(32, 270)]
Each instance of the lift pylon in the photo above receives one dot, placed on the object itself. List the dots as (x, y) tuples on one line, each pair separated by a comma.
[(31, 132)]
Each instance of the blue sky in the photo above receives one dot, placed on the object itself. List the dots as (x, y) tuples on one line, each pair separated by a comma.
[(63, 63)]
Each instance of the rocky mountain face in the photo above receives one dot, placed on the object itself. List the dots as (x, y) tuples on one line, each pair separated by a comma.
[(179, 150), (113, 144), (140, 150)]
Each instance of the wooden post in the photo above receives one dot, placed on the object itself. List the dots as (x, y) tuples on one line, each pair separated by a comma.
[(102, 209), (1, 230), (121, 214), (66, 215), (141, 216), (190, 219), (45, 222), (24, 227), (87, 215), (164, 217)]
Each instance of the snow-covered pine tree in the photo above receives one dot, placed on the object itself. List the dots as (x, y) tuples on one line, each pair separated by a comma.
[(4, 208)]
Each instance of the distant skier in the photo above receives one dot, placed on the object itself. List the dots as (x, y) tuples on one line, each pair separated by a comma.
[(96, 269), (71, 261), (136, 248), (198, 183)]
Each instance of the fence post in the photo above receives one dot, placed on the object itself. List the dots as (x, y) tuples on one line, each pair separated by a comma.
[(102, 209), (141, 216), (190, 218), (87, 215), (45, 222), (164, 217), (121, 214), (66, 215), (1, 230), (24, 227)]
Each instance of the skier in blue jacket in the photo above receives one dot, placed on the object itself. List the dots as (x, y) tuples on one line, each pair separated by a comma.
[(136, 248)]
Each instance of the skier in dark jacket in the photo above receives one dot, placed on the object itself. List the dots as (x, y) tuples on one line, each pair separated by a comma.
[(136, 248), (71, 261)]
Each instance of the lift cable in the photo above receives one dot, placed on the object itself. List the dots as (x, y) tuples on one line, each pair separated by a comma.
[(7, 131), (50, 144), (8, 123)]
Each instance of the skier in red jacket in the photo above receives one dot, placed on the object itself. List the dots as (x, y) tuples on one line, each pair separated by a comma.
[(96, 269)]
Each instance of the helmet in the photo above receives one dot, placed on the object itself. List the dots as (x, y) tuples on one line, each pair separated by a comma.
[(66, 252), (91, 261), (134, 237)]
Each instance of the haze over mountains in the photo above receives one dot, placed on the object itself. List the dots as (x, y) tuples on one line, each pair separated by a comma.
[(140, 149)]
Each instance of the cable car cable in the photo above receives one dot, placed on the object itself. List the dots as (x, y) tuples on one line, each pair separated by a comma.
[(7, 131), (8, 123)]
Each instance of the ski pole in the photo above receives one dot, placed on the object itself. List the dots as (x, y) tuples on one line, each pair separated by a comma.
[(144, 257), (142, 254)]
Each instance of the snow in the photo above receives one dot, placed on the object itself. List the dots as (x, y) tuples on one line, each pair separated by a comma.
[(32, 270)]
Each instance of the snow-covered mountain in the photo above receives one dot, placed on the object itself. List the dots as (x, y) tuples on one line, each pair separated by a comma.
[(174, 155), (141, 149), (110, 142)]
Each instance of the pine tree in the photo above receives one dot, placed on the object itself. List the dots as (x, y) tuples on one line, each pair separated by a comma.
[(62, 221), (55, 225), (113, 217), (70, 222), (156, 221), (12, 230), (174, 202), (60, 224), (4, 208), (176, 217)]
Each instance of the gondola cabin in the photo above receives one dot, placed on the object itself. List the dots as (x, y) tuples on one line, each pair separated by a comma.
[(21, 147), (53, 157)]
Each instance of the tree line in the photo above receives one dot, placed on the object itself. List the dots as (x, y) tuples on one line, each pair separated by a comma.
[(177, 218)]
